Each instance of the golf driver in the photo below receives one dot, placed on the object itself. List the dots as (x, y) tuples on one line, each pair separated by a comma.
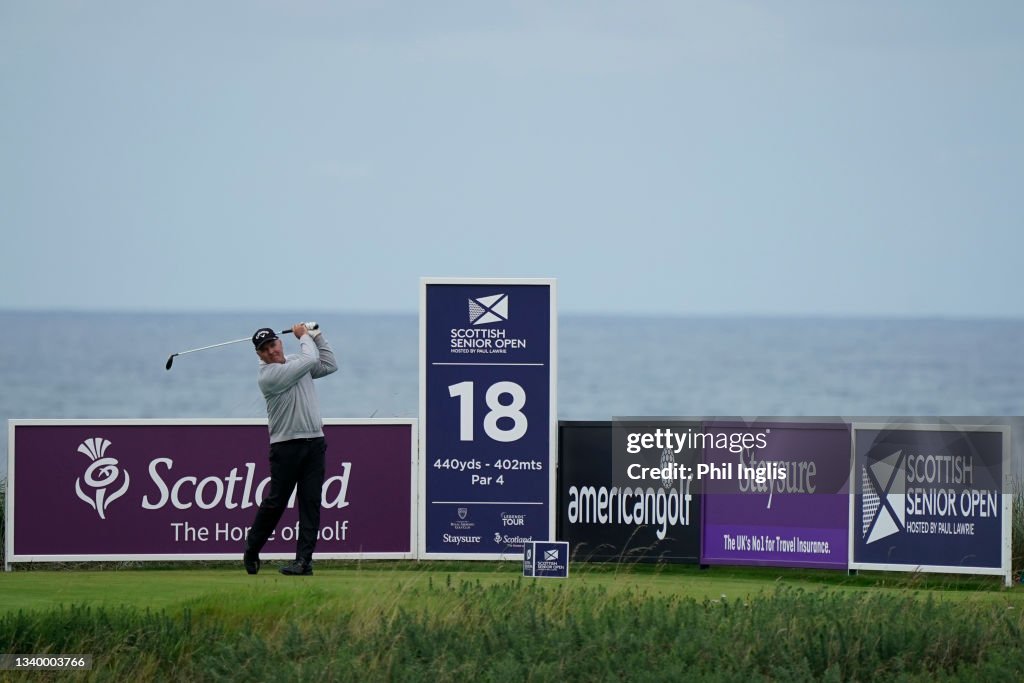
[(170, 359)]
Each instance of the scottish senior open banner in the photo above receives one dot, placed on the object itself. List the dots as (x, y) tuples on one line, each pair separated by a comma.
[(931, 498), (778, 495), (189, 490), (487, 415)]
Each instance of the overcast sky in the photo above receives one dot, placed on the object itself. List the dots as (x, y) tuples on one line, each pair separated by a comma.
[(800, 158)]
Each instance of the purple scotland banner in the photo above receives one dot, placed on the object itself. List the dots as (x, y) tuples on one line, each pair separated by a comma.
[(796, 519), (177, 489)]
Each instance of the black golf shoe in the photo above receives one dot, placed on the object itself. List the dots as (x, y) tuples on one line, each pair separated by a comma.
[(297, 568), (251, 562)]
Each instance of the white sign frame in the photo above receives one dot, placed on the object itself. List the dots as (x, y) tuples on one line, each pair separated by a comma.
[(10, 558), (1006, 510)]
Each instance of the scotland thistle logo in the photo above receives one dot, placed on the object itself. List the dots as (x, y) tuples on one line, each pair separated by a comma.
[(100, 476)]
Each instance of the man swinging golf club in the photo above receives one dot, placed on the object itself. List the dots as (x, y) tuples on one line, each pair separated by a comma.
[(297, 445)]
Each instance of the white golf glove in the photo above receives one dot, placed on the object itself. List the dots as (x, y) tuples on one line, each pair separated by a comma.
[(313, 329)]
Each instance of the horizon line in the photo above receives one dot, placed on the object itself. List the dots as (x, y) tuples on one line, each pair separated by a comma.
[(577, 313)]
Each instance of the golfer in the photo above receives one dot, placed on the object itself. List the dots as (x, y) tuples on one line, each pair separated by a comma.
[(297, 445)]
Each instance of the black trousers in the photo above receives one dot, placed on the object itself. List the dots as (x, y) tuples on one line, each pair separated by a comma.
[(299, 462)]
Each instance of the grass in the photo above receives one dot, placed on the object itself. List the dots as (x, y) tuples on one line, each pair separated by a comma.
[(176, 586), (1017, 531), (452, 621), (352, 623)]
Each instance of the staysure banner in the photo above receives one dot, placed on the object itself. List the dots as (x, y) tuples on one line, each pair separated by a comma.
[(779, 497), (931, 498), (189, 490), (611, 510), (487, 414)]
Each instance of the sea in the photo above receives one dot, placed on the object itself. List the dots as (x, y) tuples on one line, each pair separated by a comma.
[(75, 365)]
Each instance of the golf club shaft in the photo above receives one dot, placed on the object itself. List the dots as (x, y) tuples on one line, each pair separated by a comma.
[(213, 346), (170, 359), (233, 341)]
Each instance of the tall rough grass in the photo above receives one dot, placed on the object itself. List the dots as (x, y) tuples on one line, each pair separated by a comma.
[(1017, 532), (3, 521), (519, 631)]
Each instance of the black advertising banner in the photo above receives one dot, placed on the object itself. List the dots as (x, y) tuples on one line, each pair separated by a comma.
[(606, 519)]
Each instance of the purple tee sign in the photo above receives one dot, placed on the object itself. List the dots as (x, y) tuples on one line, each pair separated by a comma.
[(188, 490), (796, 520), (487, 416)]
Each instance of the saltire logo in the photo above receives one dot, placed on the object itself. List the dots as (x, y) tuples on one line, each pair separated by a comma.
[(883, 497), (101, 475), (484, 310)]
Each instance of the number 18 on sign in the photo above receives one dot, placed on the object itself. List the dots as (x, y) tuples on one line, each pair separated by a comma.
[(487, 416)]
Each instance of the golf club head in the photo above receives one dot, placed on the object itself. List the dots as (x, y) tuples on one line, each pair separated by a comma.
[(170, 359)]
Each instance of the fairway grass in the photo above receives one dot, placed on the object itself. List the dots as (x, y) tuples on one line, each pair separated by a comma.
[(175, 588)]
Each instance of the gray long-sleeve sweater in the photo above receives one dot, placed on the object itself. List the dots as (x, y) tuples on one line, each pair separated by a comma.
[(293, 409)]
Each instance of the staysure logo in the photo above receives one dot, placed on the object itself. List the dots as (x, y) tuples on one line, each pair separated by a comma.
[(461, 539), (883, 489), (101, 476), (485, 310)]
